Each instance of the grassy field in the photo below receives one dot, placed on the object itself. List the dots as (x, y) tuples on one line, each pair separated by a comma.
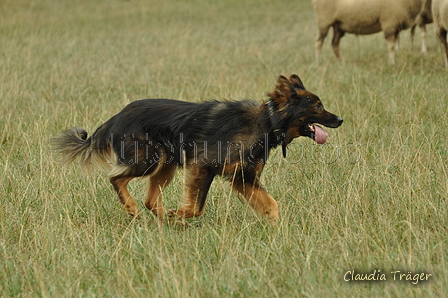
[(374, 198)]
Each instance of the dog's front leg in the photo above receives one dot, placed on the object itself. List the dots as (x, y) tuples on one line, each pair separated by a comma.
[(197, 184), (258, 199)]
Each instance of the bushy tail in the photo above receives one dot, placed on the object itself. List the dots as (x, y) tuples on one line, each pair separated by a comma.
[(73, 143)]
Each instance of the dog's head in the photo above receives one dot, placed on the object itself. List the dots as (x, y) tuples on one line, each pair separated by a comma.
[(299, 112)]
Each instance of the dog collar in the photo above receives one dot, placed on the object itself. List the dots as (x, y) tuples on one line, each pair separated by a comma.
[(274, 121), (278, 134)]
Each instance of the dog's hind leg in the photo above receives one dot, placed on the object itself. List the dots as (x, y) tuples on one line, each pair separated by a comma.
[(120, 184), (158, 182)]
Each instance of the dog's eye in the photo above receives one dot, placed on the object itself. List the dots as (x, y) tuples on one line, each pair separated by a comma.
[(320, 107)]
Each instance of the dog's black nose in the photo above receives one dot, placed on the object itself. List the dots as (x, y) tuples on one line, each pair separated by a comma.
[(339, 120)]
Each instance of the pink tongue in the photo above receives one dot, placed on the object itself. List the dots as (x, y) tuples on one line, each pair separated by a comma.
[(320, 135)]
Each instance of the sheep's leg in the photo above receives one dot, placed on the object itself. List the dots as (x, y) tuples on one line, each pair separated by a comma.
[(337, 34), (413, 35), (442, 34), (319, 41), (424, 48), (446, 51), (391, 42)]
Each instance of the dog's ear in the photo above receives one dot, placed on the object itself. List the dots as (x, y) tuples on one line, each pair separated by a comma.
[(297, 82), (282, 92)]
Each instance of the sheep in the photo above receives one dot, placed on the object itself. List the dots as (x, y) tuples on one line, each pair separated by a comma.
[(424, 18), (364, 17), (440, 15)]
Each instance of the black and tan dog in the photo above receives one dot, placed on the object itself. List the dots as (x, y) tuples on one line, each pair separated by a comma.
[(153, 137)]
